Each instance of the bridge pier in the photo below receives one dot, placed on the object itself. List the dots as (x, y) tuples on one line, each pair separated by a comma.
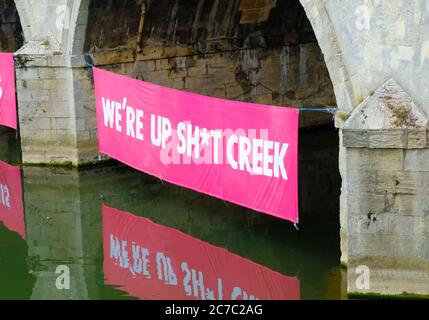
[(386, 202)]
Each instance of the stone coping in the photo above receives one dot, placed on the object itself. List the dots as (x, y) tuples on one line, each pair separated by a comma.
[(386, 138)]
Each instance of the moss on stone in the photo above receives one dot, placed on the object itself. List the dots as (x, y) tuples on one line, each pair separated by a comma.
[(71, 165), (379, 296), (95, 164), (342, 115), (66, 165)]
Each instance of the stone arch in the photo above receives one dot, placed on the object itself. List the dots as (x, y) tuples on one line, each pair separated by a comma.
[(208, 48), (78, 22), (164, 62), (224, 29), (26, 15), (317, 14), (327, 39), (11, 30)]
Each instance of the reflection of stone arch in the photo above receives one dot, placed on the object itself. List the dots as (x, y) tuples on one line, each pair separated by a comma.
[(11, 34)]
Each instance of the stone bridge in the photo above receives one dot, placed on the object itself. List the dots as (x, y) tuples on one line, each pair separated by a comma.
[(369, 58)]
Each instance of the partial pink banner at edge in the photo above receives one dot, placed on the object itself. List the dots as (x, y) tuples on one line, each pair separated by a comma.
[(11, 202), (8, 113)]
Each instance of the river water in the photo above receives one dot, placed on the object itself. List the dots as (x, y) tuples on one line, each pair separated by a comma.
[(112, 232)]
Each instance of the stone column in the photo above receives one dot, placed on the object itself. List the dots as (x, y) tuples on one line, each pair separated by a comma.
[(46, 110), (53, 113), (386, 198)]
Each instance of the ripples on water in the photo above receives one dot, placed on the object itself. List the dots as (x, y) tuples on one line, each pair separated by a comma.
[(126, 235)]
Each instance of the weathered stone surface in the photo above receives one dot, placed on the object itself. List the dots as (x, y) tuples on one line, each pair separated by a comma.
[(373, 224), (356, 138), (390, 107), (411, 204), (408, 182), (386, 139), (358, 180), (402, 225), (375, 159), (361, 203), (416, 160), (388, 246), (417, 139), (386, 181)]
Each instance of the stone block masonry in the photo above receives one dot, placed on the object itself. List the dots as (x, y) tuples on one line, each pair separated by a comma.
[(387, 212), (48, 124)]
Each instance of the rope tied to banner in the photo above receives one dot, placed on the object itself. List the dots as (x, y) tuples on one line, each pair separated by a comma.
[(328, 109)]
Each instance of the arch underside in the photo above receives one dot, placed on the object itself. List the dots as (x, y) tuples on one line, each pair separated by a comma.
[(263, 52)]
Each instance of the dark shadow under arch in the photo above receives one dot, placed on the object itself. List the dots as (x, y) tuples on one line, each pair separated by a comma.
[(11, 34)]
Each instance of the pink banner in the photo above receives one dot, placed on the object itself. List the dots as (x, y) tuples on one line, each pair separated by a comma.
[(7, 91), (11, 205), (151, 261), (240, 152)]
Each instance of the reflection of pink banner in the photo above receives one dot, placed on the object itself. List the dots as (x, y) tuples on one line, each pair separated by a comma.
[(7, 91), (11, 208), (151, 261), (239, 152)]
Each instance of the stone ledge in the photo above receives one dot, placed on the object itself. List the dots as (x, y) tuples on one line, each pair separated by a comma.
[(386, 139)]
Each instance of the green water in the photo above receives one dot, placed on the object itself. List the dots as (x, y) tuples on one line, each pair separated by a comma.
[(63, 219)]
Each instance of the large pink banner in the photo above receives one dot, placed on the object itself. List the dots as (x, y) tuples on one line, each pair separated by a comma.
[(151, 261), (240, 152), (11, 205), (7, 91)]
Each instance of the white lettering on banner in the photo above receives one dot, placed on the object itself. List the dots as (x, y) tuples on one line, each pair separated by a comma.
[(160, 130), (255, 155), (230, 151), (190, 279), (165, 270), (141, 264), (272, 165), (5, 195), (112, 115)]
